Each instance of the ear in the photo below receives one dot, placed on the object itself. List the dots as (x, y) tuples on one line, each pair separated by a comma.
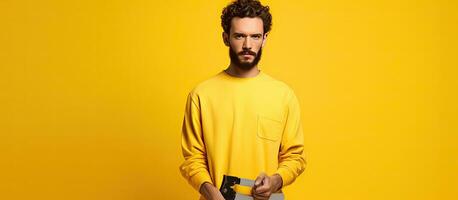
[(225, 38), (264, 39)]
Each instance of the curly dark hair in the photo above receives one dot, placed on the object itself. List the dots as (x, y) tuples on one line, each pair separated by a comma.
[(246, 8)]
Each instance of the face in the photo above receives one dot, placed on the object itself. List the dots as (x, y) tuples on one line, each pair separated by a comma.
[(245, 40)]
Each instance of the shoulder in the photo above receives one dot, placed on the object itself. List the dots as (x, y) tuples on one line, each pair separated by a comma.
[(204, 86), (280, 85)]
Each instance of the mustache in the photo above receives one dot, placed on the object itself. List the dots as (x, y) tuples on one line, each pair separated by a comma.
[(247, 52)]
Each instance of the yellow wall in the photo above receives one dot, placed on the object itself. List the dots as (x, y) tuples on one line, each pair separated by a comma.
[(93, 93)]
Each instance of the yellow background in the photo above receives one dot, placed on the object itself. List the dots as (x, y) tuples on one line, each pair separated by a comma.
[(93, 94)]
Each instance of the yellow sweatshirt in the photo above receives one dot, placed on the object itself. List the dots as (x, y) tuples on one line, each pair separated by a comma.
[(241, 127)]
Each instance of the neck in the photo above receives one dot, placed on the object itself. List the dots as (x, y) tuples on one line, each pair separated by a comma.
[(238, 72)]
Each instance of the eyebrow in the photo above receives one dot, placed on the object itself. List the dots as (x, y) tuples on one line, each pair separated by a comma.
[(242, 34)]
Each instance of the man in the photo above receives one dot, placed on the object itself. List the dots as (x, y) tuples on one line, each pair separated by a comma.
[(242, 122)]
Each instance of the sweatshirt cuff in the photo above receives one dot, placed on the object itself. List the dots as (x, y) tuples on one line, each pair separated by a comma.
[(198, 179), (286, 176)]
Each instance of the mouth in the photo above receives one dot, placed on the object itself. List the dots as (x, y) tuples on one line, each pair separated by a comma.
[(247, 54), (247, 57)]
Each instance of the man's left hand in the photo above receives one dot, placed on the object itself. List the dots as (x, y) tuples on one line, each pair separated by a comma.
[(265, 185)]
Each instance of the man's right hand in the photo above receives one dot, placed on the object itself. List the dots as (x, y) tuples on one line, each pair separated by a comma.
[(210, 192)]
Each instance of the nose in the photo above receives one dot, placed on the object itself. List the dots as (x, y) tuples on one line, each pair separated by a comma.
[(246, 43)]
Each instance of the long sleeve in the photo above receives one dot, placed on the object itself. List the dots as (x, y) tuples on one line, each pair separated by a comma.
[(291, 159), (194, 168)]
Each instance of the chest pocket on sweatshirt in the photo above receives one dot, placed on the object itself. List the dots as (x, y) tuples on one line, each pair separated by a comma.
[(269, 128)]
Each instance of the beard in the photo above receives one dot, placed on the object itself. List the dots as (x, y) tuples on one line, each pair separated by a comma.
[(244, 65)]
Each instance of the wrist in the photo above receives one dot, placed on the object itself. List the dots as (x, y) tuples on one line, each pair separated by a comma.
[(208, 190), (277, 182)]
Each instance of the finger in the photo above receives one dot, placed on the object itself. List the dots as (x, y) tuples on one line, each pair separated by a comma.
[(259, 179), (265, 186), (261, 196), (262, 189), (262, 193)]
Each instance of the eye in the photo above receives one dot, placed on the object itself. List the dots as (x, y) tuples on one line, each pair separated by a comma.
[(256, 37), (238, 36)]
